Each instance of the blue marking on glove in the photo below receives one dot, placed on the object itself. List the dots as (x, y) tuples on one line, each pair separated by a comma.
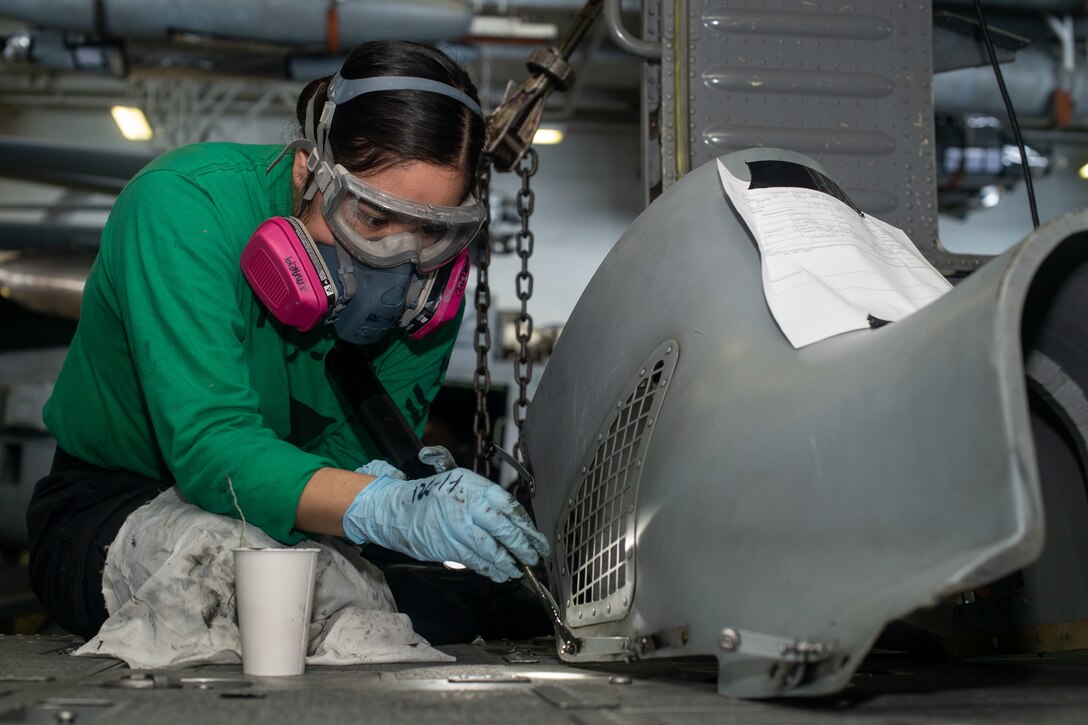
[(456, 515)]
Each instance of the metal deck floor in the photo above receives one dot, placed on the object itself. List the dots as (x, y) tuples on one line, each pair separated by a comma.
[(524, 683)]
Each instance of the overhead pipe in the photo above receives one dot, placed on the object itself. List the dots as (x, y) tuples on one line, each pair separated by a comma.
[(1031, 81), (81, 167), (1020, 6), (14, 235), (315, 23), (50, 284)]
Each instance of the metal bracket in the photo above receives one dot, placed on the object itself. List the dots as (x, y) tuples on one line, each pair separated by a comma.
[(596, 649), (772, 647), (551, 62), (496, 452), (511, 126)]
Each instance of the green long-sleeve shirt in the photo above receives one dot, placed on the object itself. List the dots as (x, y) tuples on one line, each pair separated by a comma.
[(177, 372)]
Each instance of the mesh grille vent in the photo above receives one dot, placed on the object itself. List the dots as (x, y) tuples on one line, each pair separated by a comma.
[(598, 532)]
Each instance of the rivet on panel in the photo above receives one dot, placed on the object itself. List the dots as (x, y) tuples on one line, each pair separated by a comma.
[(729, 640)]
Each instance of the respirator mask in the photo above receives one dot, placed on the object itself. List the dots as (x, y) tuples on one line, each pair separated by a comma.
[(395, 262)]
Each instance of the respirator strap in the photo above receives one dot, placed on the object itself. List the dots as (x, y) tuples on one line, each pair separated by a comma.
[(346, 274), (299, 143), (315, 143)]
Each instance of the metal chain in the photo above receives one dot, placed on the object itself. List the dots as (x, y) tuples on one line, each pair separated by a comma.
[(523, 365), (481, 382)]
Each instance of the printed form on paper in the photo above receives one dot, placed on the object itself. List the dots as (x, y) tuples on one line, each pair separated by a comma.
[(827, 268)]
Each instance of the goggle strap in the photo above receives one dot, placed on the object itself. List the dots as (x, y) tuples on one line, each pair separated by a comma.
[(327, 180), (341, 90)]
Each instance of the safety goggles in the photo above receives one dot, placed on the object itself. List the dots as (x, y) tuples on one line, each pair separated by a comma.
[(383, 230)]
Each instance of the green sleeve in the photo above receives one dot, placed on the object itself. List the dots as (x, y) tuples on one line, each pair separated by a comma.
[(177, 292)]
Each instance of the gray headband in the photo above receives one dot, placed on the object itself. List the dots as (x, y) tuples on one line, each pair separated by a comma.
[(315, 139), (342, 90)]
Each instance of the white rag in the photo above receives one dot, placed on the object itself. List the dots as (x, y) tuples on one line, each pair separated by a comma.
[(169, 591)]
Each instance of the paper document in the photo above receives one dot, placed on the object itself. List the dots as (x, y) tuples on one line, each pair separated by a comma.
[(827, 268)]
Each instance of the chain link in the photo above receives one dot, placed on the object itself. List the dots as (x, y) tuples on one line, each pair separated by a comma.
[(523, 365), (481, 383)]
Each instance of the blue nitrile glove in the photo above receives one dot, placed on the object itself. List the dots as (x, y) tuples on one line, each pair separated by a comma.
[(456, 515), (437, 457), (377, 468)]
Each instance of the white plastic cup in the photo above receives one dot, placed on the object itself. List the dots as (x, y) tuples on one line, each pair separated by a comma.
[(274, 592)]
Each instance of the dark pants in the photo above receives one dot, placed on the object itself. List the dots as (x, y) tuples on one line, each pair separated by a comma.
[(77, 510), (74, 515)]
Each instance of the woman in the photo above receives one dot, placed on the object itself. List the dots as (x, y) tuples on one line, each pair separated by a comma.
[(190, 367)]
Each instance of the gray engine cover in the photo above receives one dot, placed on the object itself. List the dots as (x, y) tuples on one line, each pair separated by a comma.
[(778, 507)]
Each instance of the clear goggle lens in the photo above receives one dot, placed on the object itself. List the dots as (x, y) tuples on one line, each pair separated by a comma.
[(384, 231)]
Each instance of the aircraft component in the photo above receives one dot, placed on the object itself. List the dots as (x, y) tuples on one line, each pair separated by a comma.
[(1044, 607), (868, 122), (800, 499)]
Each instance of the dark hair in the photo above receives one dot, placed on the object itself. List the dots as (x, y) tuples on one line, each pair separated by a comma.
[(380, 130)]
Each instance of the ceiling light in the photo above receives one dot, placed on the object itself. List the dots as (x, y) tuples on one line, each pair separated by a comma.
[(1083, 173), (132, 122), (503, 27), (547, 136), (989, 196)]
